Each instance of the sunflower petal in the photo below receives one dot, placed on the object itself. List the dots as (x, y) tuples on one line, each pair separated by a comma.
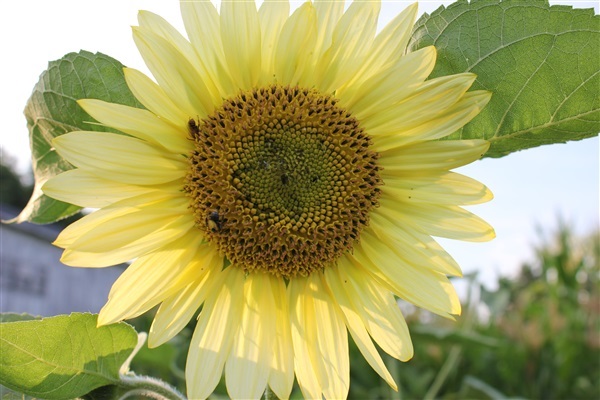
[(154, 98), (380, 314), (389, 43), (135, 225), (272, 15), (428, 102), (436, 187), (203, 27), (295, 45), (442, 155), (159, 26), (93, 259), (240, 33), (151, 279), (249, 362), (413, 247), (351, 38), (354, 323), (140, 123), (332, 340), (328, 15), (174, 73), (176, 311), (304, 338), (424, 288), (442, 125), (281, 379), (131, 160), (391, 85), (92, 191), (447, 221), (214, 333)]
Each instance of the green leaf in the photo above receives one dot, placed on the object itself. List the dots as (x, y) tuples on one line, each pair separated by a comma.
[(541, 63), (63, 357), (52, 111)]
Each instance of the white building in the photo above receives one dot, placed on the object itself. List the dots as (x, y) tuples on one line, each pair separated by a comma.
[(34, 281)]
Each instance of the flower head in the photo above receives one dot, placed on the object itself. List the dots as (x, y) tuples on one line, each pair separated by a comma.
[(284, 176)]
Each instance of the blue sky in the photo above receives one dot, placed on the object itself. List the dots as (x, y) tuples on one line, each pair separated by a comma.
[(531, 187)]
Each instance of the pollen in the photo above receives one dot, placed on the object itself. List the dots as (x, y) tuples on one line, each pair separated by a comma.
[(281, 179)]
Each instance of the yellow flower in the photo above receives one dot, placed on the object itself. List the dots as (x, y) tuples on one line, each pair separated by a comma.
[(285, 177)]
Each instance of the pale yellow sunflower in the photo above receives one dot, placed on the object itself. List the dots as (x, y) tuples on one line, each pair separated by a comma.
[(285, 180)]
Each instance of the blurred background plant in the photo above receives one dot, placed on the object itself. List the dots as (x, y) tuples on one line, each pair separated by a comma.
[(536, 335)]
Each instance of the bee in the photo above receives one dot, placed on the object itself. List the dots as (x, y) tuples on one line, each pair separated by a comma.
[(214, 221)]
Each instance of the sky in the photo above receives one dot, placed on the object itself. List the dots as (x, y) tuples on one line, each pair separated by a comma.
[(532, 188)]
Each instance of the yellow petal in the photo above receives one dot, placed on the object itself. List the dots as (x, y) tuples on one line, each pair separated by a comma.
[(281, 379), (159, 26), (380, 314), (272, 15), (354, 323), (442, 125), (433, 98), (414, 248), (119, 158), (390, 86), (214, 333), (423, 287), (154, 98), (174, 73), (296, 45), (451, 222), (442, 155), (351, 38), (304, 338), (249, 361), (436, 187), (87, 190), (328, 15), (176, 311), (389, 43), (240, 33), (202, 24), (151, 279), (92, 259), (135, 227), (114, 211), (332, 340), (142, 124)]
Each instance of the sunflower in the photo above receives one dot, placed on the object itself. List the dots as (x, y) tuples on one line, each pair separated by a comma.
[(283, 178)]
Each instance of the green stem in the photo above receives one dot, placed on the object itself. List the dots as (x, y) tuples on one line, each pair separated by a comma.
[(448, 366), (392, 365), (148, 387)]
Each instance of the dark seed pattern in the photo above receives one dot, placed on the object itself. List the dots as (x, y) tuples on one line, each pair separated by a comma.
[(282, 180)]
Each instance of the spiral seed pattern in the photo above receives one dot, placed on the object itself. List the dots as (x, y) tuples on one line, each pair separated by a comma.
[(282, 180)]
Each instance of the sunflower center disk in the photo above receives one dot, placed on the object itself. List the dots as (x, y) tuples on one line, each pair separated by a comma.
[(282, 180)]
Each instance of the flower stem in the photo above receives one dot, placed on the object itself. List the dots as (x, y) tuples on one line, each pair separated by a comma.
[(149, 387)]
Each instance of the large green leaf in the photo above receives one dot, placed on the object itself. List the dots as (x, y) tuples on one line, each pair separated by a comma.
[(52, 111), (541, 63), (63, 357)]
